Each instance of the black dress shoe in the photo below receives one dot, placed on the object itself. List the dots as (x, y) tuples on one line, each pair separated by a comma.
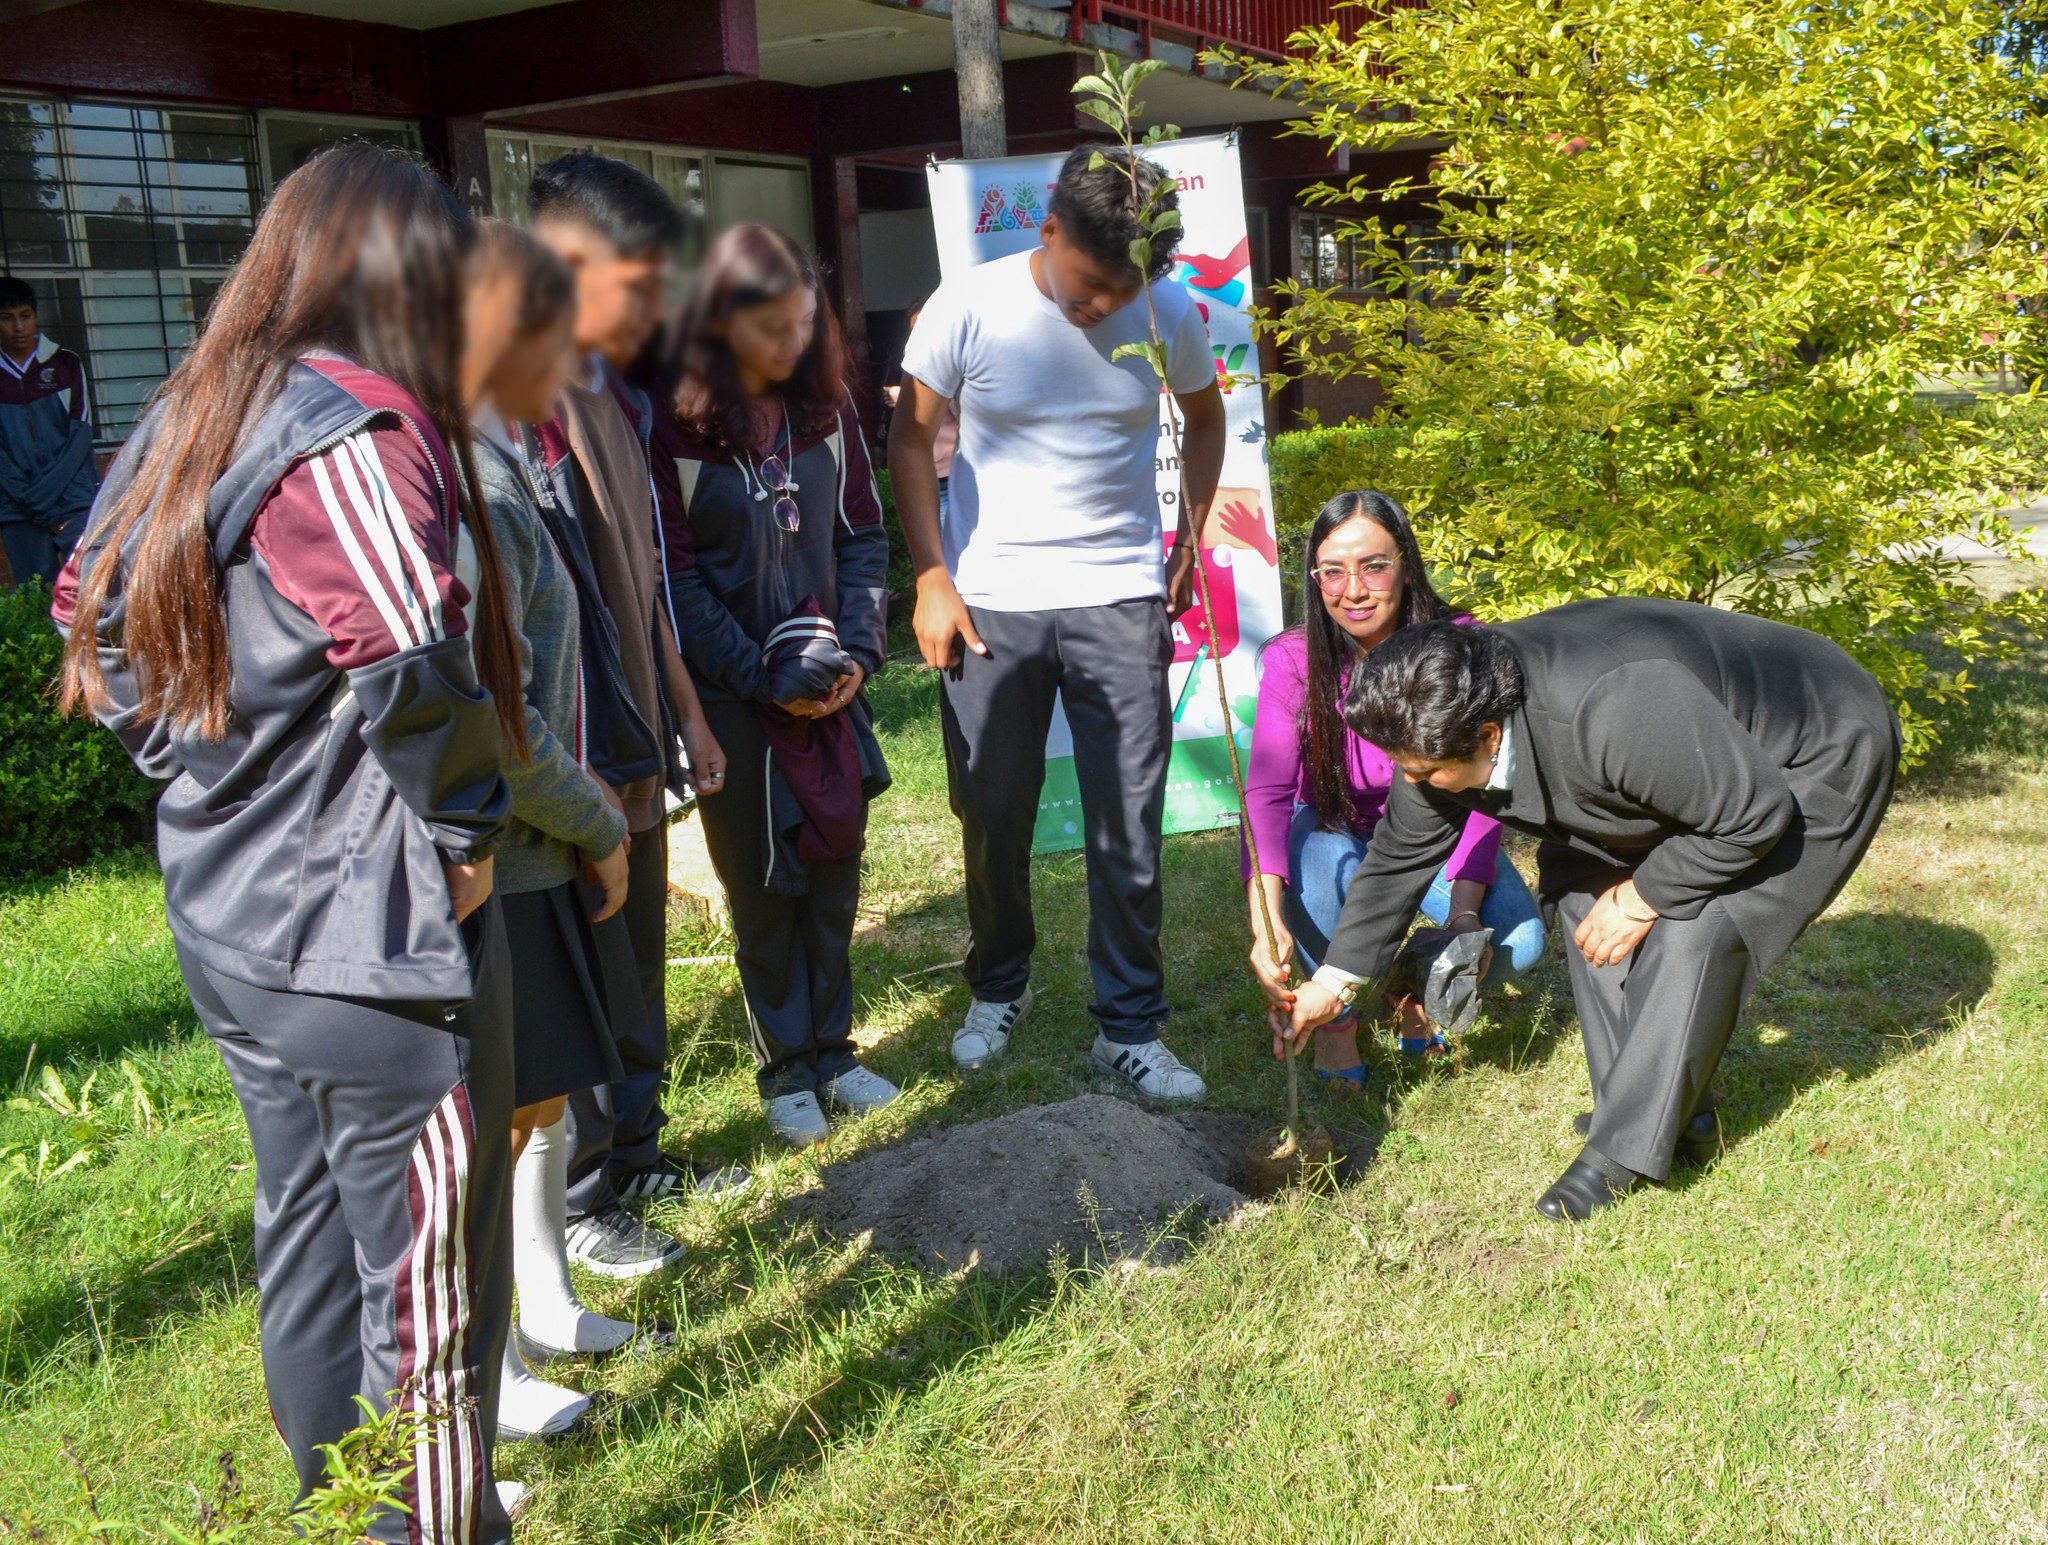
[(1593, 1181), (1698, 1143)]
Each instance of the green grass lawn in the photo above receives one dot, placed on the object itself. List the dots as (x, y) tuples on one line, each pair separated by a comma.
[(1839, 1331)]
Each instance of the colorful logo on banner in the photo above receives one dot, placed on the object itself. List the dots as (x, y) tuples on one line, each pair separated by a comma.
[(1193, 637), (1015, 208)]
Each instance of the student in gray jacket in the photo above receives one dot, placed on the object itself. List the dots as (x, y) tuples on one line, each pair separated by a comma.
[(562, 868)]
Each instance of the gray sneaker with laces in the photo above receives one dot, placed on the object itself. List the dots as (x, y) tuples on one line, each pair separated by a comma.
[(796, 1119), (986, 1034), (614, 1243), (857, 1091)]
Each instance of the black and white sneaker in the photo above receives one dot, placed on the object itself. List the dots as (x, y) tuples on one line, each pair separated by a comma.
[(661, 1179), (665, 1178), (1149, 1068), (614, 1243), (986, 1034)]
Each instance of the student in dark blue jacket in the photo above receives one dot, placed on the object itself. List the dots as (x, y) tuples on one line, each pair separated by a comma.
[(774, 578), (265, 609), (47, 478)]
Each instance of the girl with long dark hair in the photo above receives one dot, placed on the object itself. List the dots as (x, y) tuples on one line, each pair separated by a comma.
[(265, 610), (1315, 790), (776, 576)]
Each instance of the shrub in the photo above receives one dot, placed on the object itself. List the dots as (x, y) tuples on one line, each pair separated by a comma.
[(1309, 465), (902, 579), (67, 789), (1682, 270), (2016, 434)]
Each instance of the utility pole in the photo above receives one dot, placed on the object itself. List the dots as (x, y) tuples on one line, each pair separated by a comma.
[(978, 61)]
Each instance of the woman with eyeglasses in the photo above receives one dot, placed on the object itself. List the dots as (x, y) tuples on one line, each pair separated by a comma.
[(775, 577), (1315, 790)]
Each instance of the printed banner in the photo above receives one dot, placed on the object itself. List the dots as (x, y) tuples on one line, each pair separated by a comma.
[(988, 209)]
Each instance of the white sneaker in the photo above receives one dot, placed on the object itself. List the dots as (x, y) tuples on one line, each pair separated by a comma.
[(797, 1118), (1149, 1068), (857, 1091), (986, 1035)]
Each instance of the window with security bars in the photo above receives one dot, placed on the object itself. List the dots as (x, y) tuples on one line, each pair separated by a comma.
[(125, 219)]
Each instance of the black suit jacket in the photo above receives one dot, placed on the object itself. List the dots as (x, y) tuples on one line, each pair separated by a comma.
[(1705, 752)]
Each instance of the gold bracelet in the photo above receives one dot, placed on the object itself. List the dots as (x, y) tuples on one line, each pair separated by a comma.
[(1654, 913), (1466, 912)]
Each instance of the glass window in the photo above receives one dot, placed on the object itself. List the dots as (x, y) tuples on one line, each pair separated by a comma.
[(289, 138), (125, 219), (511, 159), (746, 188)]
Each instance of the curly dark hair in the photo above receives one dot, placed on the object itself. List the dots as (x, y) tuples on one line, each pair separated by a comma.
[(1425, 693), (1093, 206)]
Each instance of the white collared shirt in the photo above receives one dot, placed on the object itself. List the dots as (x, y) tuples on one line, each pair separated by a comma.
[(1502, 778)]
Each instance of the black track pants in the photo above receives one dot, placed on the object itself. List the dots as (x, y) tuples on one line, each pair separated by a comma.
[(383, 1244)]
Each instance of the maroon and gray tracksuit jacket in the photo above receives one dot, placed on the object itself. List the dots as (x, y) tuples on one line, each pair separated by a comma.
[(303, 850), (366, 1032)]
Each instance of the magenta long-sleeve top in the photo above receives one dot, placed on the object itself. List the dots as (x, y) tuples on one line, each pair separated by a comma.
[(1278, 777)]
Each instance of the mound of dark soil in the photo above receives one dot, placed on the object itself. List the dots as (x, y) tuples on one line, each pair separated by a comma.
[(1095, 1178)]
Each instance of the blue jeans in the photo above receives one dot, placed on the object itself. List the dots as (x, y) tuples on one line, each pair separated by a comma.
[(1324, 861)]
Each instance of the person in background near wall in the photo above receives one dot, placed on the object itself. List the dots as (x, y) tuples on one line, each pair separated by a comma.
[(777, 572), (1044, 581), (1315, 790), (944, 441), (1704, 783), (617, 231), (47, 479), (265, 610), (562, 868)]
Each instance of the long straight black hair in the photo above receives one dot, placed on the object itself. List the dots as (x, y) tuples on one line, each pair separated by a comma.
[(1331, 649)]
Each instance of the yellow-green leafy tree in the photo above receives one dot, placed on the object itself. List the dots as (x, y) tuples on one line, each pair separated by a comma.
[(1692, 261)]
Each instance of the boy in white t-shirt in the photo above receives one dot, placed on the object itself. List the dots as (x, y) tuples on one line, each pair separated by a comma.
[(1048, 579)]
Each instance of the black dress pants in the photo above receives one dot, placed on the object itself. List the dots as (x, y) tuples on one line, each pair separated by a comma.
[(1107, 666)]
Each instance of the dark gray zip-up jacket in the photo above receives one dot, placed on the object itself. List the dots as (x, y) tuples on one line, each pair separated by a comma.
[(730, 576), (303, 850)]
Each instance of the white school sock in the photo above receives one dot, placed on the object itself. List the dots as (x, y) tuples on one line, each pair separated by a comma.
[(529, 1405), (549, 1312)]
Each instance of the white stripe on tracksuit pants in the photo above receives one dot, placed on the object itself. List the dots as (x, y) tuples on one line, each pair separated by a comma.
[(383, 1227)]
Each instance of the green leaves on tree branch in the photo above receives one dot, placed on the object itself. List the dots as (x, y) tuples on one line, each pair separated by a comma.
[(1654, 318)]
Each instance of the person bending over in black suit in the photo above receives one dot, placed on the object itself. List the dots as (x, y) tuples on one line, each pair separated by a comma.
[(1703, 784)]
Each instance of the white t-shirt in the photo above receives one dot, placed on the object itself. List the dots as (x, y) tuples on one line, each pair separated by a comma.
[(1053, 499)]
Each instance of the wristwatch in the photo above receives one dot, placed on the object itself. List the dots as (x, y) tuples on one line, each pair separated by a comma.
[(1345, 992)]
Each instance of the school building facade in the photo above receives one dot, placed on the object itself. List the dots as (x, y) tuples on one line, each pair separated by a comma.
[(138, 138)]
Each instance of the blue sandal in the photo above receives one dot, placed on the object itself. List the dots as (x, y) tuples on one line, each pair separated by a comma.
[(1356, 1077), (1431, 1045)]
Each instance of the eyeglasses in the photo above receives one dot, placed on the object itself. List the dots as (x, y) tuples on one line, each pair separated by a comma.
[(773, 476), (1376, 573)]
